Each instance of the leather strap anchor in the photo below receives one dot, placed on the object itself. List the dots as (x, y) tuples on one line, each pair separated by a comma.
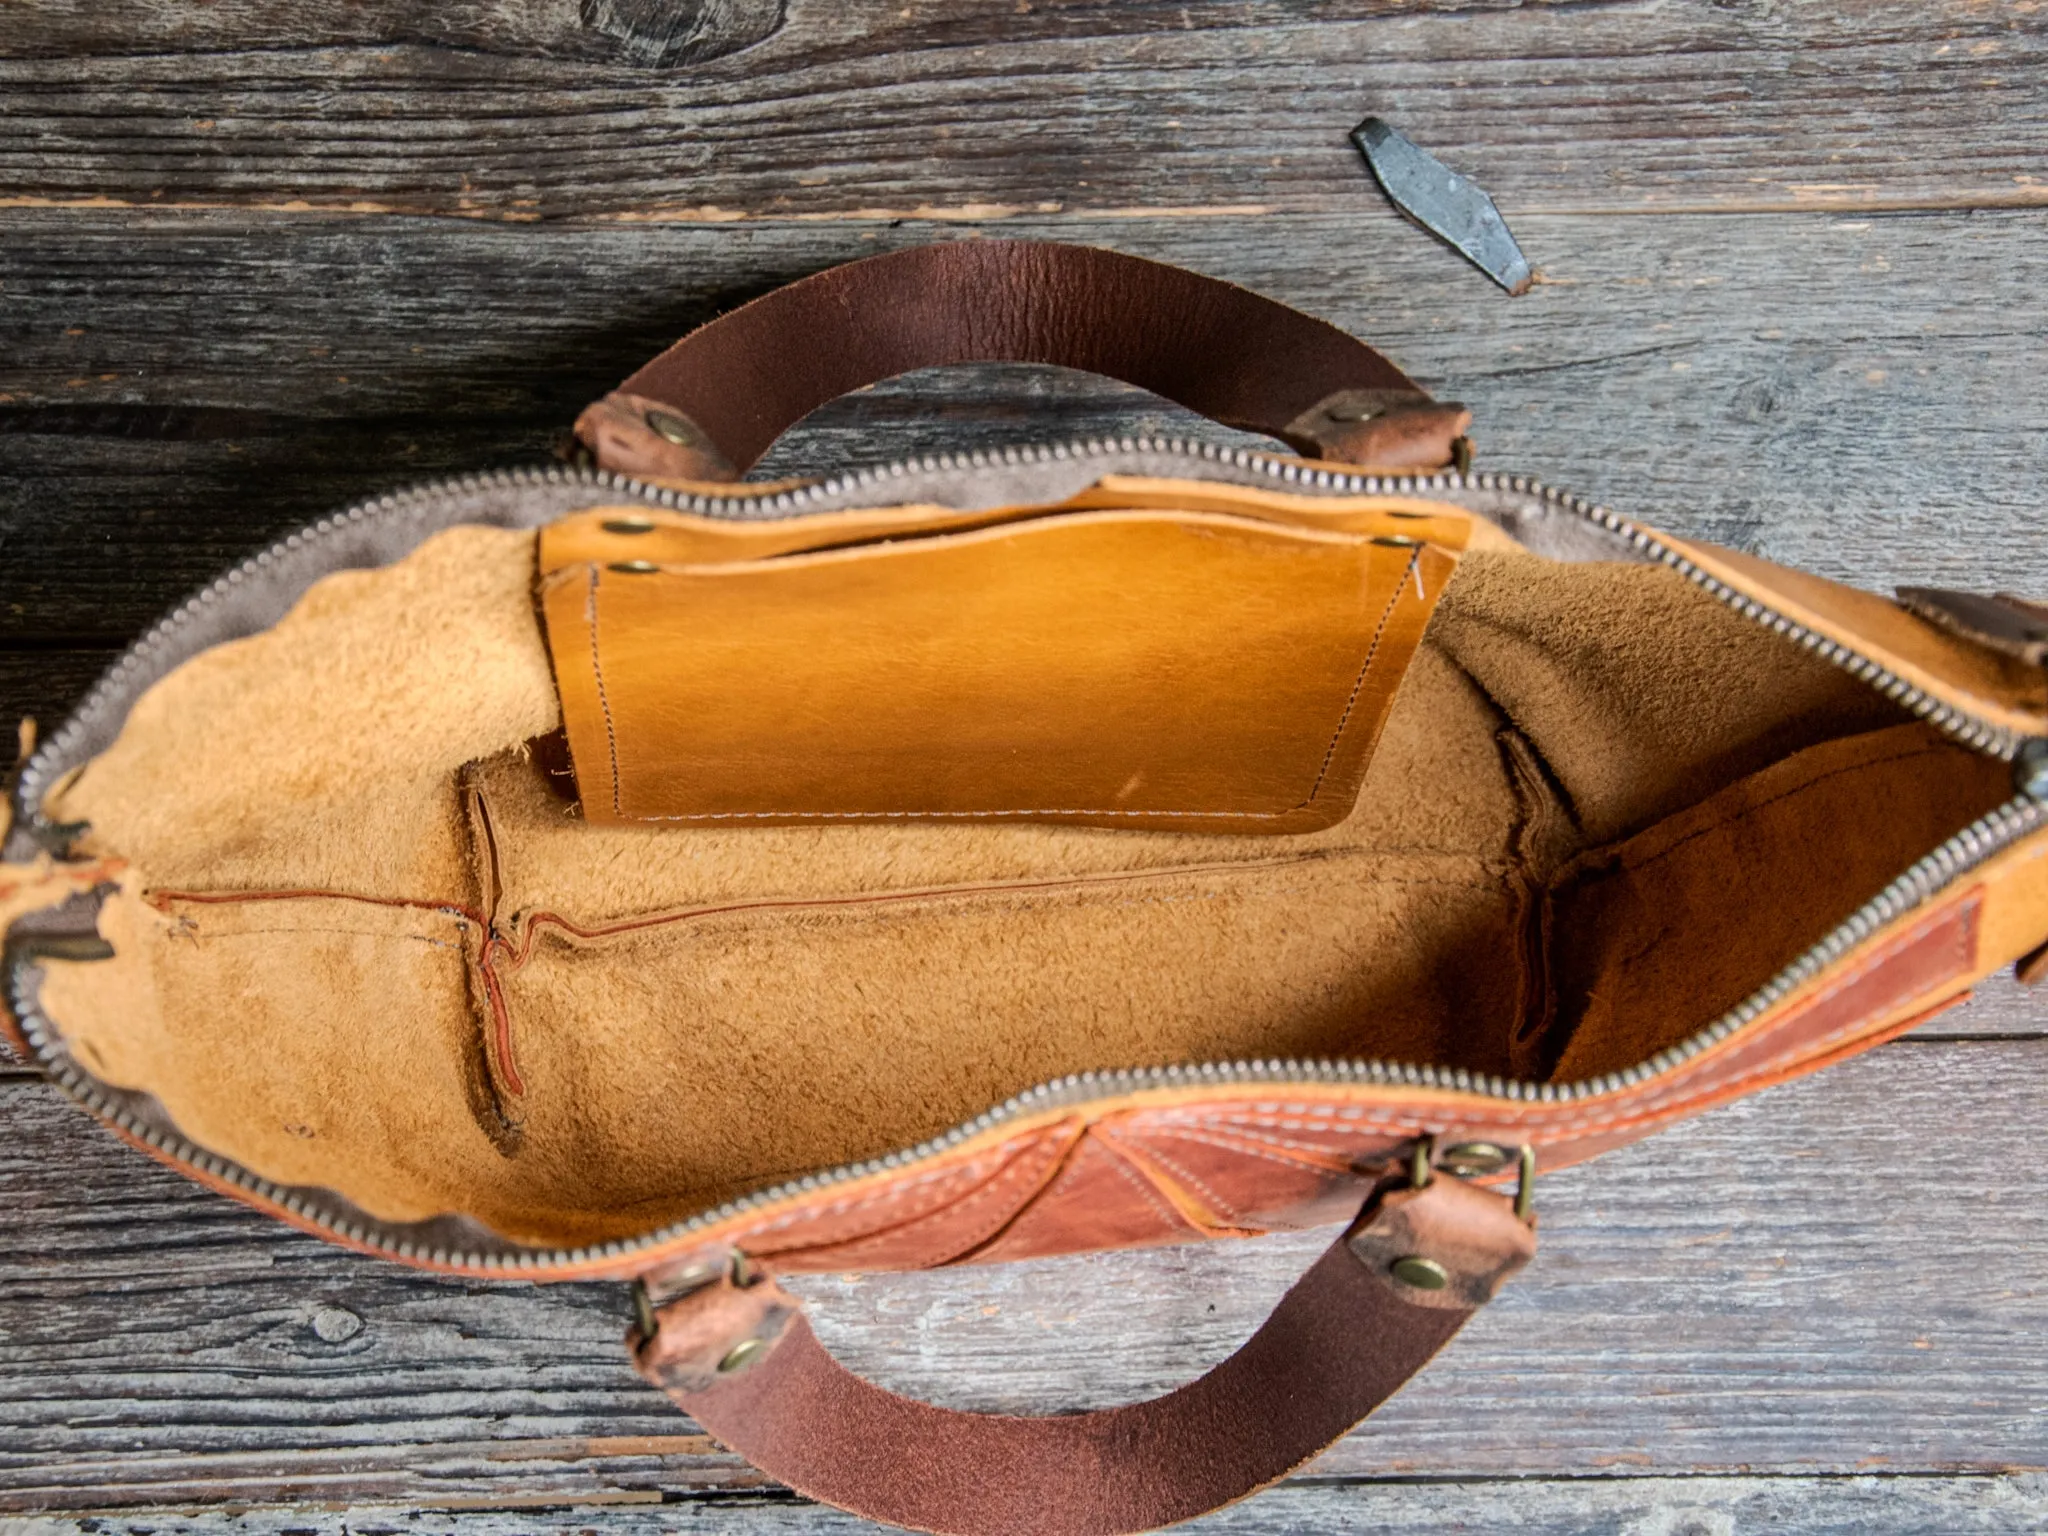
[(1341, 1342), (710, 406), (1476, 1158)]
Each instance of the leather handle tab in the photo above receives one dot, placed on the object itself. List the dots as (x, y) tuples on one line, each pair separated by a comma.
[(710, 406), (741, 1360)]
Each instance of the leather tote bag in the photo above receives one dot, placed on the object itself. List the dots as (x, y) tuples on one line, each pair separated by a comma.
[(631, 871)]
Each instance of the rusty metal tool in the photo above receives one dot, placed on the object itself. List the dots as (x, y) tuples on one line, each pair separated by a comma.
[(1448, 205)]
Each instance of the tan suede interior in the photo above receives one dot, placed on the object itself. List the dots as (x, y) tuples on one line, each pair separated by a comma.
[(366, 942)]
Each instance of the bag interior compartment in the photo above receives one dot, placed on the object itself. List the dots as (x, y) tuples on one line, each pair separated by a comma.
[(365, 942)]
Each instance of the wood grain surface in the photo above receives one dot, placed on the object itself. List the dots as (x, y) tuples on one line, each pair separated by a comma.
[(1531, 1506), (1822, 1280), (1857, 395), (259, 261), (543, 109)]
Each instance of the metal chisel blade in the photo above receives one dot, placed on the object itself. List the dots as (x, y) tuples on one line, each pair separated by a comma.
[(1443, 202)]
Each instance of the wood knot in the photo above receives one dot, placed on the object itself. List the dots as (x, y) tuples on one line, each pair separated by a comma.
[(662, 34)]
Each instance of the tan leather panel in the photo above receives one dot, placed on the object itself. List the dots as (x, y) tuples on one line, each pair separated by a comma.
[(604, 535), (1120, 668), (904, 1204), (970, 1218), (1971, 677), (637, 532), (2012, 894), (1416, 516)]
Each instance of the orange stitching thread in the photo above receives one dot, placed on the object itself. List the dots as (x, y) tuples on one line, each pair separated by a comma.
[(1371, 651), (604, 702)]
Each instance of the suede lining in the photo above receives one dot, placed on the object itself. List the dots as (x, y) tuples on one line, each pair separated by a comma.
[(1604, 807)]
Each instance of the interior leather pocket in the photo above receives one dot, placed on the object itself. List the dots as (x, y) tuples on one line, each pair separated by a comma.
[(1655, 937), (1182, 670)]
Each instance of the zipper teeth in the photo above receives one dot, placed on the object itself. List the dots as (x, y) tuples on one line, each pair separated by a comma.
[(1972, 732), (1955, 857)]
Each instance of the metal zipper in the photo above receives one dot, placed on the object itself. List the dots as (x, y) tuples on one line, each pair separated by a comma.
[(1964, 851)]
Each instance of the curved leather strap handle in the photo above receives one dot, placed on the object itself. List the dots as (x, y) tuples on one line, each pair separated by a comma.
[(710, 406), (740, 1359)]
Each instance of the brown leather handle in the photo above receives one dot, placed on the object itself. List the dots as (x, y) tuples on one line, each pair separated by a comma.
[(740, 1359), (710, 406)]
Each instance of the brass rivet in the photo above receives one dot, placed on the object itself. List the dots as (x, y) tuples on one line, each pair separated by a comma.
[(1472, 1157), (628, 525), (1423, 1274), (695, 1278), (742, 1355), (633, 567), (1421, 1161), (643, 1312), (675, 428)]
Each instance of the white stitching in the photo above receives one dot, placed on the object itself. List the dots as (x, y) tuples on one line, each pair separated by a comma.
[(1144, 1185), (894, 1190), (1216, 1202), (1032, 1162), (1007, 1153), (1240, 1146)]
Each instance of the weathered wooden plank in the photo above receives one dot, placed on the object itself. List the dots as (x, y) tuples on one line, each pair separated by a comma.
[(40, 685), (2001, 1006), (519, 109), (1837, 1277), (43, 685), (1858, 395), (1635, 1506), (653, 33)]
